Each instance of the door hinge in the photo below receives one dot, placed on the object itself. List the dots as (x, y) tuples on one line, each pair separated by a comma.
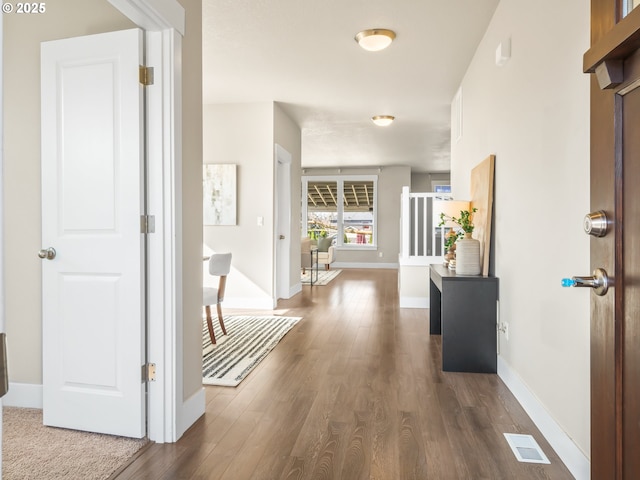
[(146, 75), (147, 223), (149, 372)]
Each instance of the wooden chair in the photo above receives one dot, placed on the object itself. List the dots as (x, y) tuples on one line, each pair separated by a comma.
[(219, 266)]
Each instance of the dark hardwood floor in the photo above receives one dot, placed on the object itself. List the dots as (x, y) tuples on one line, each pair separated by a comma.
[(354, 391)]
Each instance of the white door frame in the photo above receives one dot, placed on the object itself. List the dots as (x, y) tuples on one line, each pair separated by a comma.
[(164, 25), (2, 326), (282, 264)]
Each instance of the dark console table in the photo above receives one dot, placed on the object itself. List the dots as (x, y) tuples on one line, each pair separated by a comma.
[(463, 310)]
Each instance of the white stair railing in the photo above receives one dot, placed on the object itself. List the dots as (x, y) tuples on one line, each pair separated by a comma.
[(422, 241)]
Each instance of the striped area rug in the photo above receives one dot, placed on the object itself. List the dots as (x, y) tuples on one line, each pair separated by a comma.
[(249, 339), (324, 276)]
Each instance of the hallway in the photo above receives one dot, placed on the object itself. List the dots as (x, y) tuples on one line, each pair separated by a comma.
[(354, 391)]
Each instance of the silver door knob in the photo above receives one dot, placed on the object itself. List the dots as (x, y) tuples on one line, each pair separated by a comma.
[(596, 223), (49, 253), (599, 281)]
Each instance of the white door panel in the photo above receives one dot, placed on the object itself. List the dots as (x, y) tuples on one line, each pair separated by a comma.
[(92, 197)]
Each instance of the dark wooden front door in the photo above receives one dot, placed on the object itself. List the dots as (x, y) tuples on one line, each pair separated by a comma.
[(614, 62)]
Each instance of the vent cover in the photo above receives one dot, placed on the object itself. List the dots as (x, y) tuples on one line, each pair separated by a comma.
[(525, 448)]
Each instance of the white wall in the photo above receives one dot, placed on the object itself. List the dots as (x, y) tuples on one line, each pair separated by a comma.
[(533, 113), (244, 135)]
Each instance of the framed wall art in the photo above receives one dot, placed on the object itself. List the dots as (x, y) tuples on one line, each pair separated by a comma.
[(219, 194)]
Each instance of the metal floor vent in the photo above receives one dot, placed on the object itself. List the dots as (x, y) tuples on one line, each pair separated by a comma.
[(525, 448)]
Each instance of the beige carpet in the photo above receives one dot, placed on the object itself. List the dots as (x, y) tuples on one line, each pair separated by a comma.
[(33, 451)]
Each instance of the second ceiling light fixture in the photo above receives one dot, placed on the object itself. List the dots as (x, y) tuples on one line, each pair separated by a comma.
[(374, 40)]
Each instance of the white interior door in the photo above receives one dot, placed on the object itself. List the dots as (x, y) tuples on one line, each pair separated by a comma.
[(92, 200), (283, 222)]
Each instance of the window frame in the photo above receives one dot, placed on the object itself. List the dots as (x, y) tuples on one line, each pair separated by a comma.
[(340, 180)]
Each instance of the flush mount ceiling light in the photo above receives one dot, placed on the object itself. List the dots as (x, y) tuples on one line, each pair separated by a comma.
[(383, 120), (375, 39)]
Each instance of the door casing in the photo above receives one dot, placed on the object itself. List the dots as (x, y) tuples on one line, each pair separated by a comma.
[(282, 248), (2, 326), (164, 25)]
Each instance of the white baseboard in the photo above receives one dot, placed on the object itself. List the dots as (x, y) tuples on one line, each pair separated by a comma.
[(192, 409), (296, 289), (577, 463), (364, 265), (248, 303), (25, 395), (420, 261), (414, 302)]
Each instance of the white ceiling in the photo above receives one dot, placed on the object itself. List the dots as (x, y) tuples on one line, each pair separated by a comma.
[(302, 54)]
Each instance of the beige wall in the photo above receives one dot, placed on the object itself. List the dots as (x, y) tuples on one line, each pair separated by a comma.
[(421, 182), (533, 113), (245, 135), (390, 183), (22, 37), (192, 197)]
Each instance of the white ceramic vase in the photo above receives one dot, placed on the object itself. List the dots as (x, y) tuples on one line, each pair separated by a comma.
[(468, 256)]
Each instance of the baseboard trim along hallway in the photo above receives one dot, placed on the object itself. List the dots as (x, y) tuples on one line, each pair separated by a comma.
[(577, 463)]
